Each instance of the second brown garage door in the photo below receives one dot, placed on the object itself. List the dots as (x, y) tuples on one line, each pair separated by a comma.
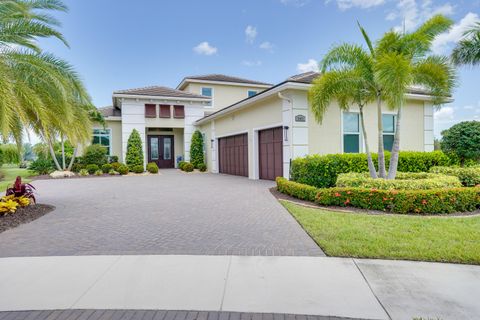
[(233, 155), (271, 153)]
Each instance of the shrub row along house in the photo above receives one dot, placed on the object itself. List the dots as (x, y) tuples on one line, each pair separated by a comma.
[(250, 128)]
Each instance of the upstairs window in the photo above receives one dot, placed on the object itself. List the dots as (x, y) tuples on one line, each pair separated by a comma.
[(150, 111), (351, 132), (252, 93), (208, 92), (103, 138), (165, 111), (388, 121), (179, 112)]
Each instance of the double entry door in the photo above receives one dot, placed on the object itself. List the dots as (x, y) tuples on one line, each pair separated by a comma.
[(160, 151)]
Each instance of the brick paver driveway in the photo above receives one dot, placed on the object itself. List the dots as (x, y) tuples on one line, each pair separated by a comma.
[(172, 213)]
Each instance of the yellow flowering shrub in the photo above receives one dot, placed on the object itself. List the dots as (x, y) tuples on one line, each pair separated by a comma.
[(9, 206)]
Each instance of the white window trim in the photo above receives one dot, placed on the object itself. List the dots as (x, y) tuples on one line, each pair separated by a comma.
[(360, 136), (109, 138), (211, 98)]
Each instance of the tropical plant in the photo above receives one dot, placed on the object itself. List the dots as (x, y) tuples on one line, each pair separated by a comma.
[(83, 173), (95, 154), (20, 189), (134, 155), (41, 166), (467, 50), (11, 153), (39, 91), (196, 149), (463, 140), (91, 168)]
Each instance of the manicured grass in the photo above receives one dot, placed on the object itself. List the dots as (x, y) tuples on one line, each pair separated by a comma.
[(11, 172), (441, 239)]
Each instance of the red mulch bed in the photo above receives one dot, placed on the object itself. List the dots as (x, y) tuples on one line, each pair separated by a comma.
[(24, 215)]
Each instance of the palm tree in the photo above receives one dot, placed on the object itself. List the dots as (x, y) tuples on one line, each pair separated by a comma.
[(403, 61), (467, 50), (39, 91)]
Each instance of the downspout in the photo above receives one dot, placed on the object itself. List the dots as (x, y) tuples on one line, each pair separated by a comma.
[(289, 100)]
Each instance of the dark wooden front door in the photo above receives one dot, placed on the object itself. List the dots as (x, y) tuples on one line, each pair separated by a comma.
[(160, 151), (271, 153), (233, 155)]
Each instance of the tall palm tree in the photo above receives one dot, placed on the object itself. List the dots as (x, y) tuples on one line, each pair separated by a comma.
[(403, 61), (467, 50), (39, 91)]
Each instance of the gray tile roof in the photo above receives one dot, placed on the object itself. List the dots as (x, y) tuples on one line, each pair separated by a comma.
[(110, 111), (306, 77), (225, 78), (161, 92)]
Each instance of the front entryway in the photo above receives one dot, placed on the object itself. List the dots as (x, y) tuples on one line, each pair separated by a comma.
[(160, 151), (270, 145)]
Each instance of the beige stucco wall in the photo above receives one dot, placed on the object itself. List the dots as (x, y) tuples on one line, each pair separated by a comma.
[(223, 95), (262, 115), (326, 138), (116, 137), (178, 143)]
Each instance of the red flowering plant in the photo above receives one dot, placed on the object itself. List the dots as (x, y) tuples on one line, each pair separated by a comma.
[(20, 189)]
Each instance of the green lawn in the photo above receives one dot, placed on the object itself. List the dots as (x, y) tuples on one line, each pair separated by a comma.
[(11, 172), (442, 239)]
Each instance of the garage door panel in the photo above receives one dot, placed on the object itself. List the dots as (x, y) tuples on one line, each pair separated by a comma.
[(271, 153), (233, 153)]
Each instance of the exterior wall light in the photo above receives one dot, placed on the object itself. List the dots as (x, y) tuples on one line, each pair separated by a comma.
[(285, 133)]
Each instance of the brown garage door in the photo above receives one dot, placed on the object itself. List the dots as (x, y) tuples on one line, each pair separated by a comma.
[(271, 153), (233, 155)]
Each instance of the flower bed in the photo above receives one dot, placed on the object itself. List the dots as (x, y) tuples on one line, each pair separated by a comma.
[(403, 181), (433, 201)]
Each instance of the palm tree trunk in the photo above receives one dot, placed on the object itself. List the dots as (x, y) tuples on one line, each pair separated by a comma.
[(70, 165), (381, 153), (63, 153), (52, 153), (392, 169), (371, 166)]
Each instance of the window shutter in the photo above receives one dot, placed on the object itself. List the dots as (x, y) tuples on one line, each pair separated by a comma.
[(164, 111), (179, 111), (150, 111)]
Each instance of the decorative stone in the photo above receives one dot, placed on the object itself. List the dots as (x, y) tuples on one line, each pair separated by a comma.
[(62, 174)]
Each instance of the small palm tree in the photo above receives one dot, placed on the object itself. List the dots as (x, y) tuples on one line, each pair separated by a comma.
[(467, 50)]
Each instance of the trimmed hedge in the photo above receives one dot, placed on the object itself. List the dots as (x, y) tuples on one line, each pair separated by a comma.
[(152, 167), (468, 176), (403, 181), (433, 201), (322, 171)]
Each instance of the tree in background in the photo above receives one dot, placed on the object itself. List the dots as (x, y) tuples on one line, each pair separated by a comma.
[(463, 140), (11, 153), (196, 149), (27, 153), (467, 50), (134, 156)]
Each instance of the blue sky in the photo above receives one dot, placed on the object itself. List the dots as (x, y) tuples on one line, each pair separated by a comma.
[(120, 44)]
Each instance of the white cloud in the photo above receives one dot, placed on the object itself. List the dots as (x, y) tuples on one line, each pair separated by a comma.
[(251, 33), (252, 63), (268, 46), (445, 114), (469, 107), (413, 12), (443, 42), (205, 48), (295, 3), (310, 65), (362, 4)]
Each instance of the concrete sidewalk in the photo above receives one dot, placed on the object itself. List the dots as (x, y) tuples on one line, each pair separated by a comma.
[(363, 289)]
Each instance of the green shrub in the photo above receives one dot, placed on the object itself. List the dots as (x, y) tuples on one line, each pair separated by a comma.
[(433, 201), (98, 173), (83, 172), (122, 169), (115, 165), (138, 169), (10, 153), (196, 149), (152, 167), (188, 167), (113, 159), (403, 181), (468, 176), (91, 168), (77, 167), (113, 172), (463, 140), (134, 155), (107, 167), (181, 164), (41, 166), (1, 157), (202, 167), (95, 154), (322, 171)]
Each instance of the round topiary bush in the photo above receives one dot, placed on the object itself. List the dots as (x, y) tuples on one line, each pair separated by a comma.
[(181, 164), (91, 168), (106, 167), (403, 181), (122, 169), (202, 167), (138, 169), (188, 167), (152, 167), (115, 165)]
